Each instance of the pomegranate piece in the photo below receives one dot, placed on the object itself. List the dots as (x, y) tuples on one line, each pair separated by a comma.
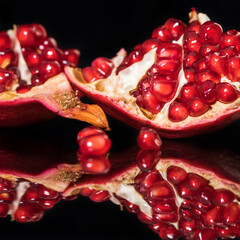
[(88, 131), (90, 74), (148, 139), (211, 32), (222, 197), (230, 38), (175, 174), (26, 36), (49, 68), (50, 54), (5, 42), (154, 91), (33, 59)]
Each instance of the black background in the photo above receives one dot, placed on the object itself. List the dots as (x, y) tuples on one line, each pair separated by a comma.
[(101, 28)]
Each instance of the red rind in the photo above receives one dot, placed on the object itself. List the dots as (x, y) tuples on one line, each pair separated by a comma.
[(45, 102), (118, 109)]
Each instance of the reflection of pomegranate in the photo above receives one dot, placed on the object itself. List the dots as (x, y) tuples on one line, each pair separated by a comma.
[(183, 81), (191, 192), (32, 81)]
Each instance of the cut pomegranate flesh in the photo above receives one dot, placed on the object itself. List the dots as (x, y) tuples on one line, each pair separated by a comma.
[(33, 87), (188, 194), (150, 86)]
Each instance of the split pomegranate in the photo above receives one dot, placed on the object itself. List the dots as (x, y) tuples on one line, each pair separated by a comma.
[(33, 86), (187, 194), (182, 81)]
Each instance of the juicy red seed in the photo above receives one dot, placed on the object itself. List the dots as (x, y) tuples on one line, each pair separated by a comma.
[(164, 90), (230, 214), (168, 232), (177, 112), (201, 207), (208, 48), (8, 197), (184, 191), (5, 185), (189, 74), (212, 217), (132, 208), (146, 179), (222, 197), (97, 164), (233, 68), (207, 91), (31, 195), (200, 65), (165, 217), (8, 58), (192, 42), (103, 66), (197, 107), (4, 208), (90, 74), (226, 93), (28, 213), (150, 102), (175, 174), (216, 62), (161, 207), (186, 204), (51, 54), (175, 27), (162, 34), (230, 38), (195, 181), (144, 84), (155, 227), (188, 91), (135, 56), (48, 42), (26, 36), (148, 139), (211, 32), (49, 69), (160, 190), (6, 77), (86, 191), (88, 131), (39, 31), (169, 50), (37, 80), (72, 56), (207, 75), (186, 215), (5, 42), (189, 59), (47, 204), (229, 51), (150, 44), (23, 88), (145, 218), (194, 26), (46, 193), (95, 145), (168, 66), (204, 195), (33, 59), (187, 228), (223, 232), (147, 159), (99, 196)]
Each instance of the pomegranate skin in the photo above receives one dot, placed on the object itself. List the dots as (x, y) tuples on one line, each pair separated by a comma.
[(121, 112), (21, 110)]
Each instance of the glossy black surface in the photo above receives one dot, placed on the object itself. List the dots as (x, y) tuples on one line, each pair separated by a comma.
[(101, 28)]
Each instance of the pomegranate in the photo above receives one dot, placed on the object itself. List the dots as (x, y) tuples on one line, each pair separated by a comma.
[(182, 81), (33, 86), (188, 194)]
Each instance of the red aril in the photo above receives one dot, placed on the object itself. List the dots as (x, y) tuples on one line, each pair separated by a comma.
[(189, 74), (208, 48), (148, 139), (33, 59), (162, 34), (177, 112), (175, 27), (216, 62), (197, 107), (189, 59), (229, 51), (72, 55), (230, 38), (150, 44), (26, 36), (225, 93), (49, 68), (207, 75), (232, 68), (207, 91), (5, 42), (88, 131), (103, 65), (176, 174), (50, 53), (188, 91), (192, 42), (39, 31), (169, 50), (211, 32)]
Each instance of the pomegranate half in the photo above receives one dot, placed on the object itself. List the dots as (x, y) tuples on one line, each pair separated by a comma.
[(191, 193), (33, 86), (182, 81)]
